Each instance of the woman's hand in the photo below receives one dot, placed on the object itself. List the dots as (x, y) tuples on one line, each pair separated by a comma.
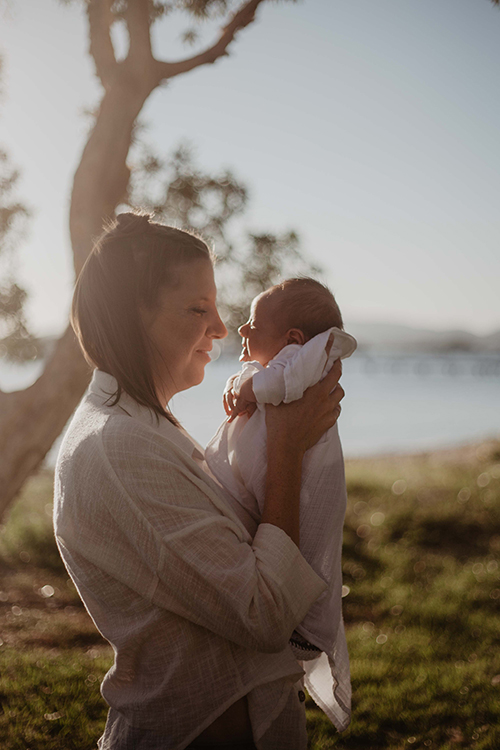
[(299, 425)]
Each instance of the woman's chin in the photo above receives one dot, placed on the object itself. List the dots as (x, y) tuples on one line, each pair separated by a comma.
[(198, 375), (201, 377)]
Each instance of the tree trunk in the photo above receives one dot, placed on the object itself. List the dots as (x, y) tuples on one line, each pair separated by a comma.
[(102, 177), (31, 420)]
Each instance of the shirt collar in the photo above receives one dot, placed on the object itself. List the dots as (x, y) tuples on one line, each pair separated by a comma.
[(103, 386)]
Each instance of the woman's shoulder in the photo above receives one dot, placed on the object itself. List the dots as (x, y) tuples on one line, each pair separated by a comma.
[(111, 456), (100, 432)]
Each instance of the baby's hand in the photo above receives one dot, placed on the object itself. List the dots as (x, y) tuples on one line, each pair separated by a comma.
[(242, 407), (229, 396), (236, 404)]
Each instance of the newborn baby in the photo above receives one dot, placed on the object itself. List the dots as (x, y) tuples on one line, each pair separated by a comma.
[(293, 337)]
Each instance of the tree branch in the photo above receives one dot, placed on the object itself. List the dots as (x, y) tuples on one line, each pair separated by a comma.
[(138, 24), (242, 18), (101, 46)]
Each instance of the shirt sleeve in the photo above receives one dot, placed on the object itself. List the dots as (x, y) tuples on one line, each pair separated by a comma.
[(198, 562), (248, 370), (296, 368), (269, 384), (287, 376)]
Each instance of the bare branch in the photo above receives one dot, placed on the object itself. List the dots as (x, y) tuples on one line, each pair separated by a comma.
[(101, 46), (138, 24), (242, 18)]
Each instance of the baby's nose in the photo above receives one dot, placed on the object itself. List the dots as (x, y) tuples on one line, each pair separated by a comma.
[(242, 329)]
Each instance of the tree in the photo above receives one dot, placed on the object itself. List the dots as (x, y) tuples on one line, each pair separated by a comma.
[(31, 420), (179, 192), (15, 341)]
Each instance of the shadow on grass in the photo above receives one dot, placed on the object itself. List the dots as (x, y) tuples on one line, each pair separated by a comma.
[(451, 534), (61, 640), (41, 547)]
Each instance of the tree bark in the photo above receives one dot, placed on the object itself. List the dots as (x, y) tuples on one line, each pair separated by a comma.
[(32, 419), (102, 177)]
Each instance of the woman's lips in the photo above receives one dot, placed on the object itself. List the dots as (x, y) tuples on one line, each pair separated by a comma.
[(205, 353)]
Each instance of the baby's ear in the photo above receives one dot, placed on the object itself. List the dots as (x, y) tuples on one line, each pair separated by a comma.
[(295, 336)]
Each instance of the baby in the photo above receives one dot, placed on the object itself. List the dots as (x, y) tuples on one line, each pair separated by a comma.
[(290, 342)]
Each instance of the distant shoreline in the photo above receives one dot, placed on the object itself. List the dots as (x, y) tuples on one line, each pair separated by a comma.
[(462, 453)]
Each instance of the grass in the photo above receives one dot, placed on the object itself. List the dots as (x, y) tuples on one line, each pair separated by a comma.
[(422, 610)]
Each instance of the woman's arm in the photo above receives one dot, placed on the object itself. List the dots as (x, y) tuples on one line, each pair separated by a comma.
[(291, 430)]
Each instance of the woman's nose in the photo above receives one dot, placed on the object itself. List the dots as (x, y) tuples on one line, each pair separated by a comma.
[(219, 329)]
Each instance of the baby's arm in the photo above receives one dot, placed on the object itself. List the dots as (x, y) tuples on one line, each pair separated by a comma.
[(246, 392), (242, 402)]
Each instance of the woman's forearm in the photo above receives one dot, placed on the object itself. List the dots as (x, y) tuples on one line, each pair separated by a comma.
[(281, 505), (292, 429)]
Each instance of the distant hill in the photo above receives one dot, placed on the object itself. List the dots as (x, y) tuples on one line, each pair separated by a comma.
[(388, 337), (391, 336)]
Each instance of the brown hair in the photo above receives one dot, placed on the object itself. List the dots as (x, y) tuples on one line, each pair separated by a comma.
[(306, 304), (130, 264)]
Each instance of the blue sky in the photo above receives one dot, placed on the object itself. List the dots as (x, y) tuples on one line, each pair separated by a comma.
[(372, 128)]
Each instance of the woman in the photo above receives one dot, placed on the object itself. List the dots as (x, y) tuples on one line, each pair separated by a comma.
[(196, 601)]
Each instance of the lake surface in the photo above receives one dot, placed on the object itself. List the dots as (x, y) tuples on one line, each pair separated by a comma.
[(393, 402)]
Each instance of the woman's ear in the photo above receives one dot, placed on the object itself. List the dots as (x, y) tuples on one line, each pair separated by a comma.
[(295, 336)]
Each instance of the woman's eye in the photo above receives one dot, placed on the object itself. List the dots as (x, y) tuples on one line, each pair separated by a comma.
[(199, 310)]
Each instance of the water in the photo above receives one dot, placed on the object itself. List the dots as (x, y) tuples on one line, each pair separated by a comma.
[(393, 403)]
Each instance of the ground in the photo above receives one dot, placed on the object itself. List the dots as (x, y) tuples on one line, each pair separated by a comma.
[(421, 606)]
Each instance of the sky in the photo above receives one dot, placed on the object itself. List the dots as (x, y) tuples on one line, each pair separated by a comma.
[(370, 127)]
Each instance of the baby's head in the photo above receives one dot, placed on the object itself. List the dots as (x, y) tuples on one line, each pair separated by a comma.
[(288, 313)]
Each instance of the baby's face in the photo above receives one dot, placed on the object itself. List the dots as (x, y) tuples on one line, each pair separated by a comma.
[(261, 340)]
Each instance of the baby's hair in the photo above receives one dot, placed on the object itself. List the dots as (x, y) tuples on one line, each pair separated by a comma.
[(306, 304)]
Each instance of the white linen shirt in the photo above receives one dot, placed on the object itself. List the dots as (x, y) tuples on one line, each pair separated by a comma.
[(197, 611), (237, 458)]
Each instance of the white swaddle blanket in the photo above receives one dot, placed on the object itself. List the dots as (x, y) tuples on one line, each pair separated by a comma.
[(236, 456)]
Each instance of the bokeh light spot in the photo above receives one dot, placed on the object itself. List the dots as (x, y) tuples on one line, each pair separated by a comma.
[(399, 487)]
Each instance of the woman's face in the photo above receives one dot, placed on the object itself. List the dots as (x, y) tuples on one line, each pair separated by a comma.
[(181, 329)]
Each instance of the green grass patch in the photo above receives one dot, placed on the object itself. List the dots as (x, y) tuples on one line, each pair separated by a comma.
[(50, 699), (422, 609)]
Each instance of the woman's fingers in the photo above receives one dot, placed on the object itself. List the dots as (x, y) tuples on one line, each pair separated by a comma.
[(337, 395), (329, 343), (332, 377)]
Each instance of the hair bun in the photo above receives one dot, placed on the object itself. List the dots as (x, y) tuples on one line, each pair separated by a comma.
[(129, 223)]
